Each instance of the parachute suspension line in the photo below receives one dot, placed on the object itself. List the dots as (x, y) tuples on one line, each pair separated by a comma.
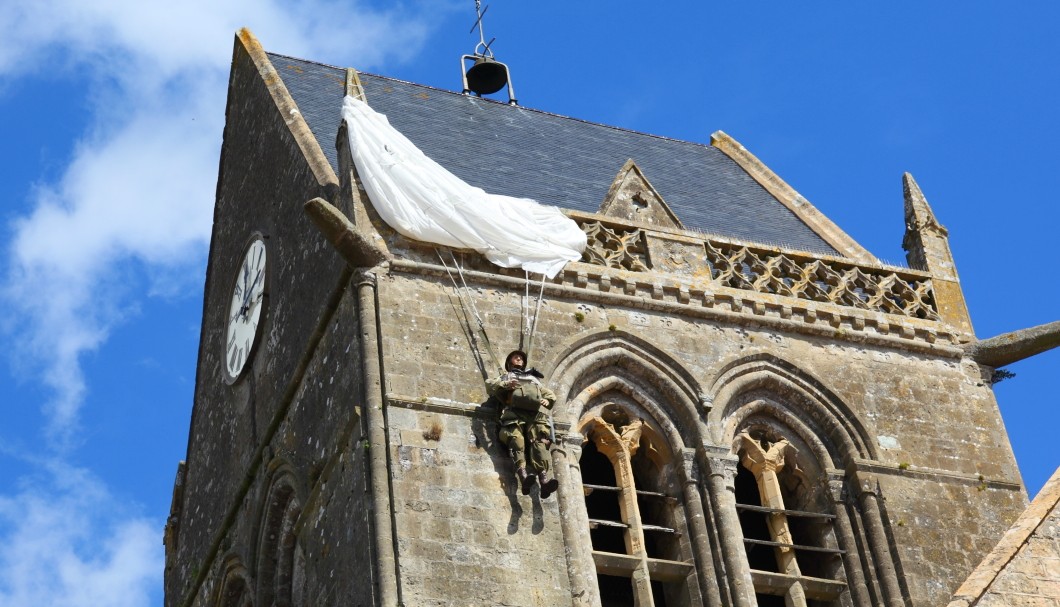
[(465, 326), (456, 287), (474, 310), (469, 335), (526, 313), (529, 323), (467, 292), (537, 313)]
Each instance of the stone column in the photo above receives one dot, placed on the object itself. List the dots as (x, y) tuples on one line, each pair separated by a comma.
[(379, 447), (579, 549), (708, 579), (617, 448), (845, 534), (723, 490), (869, 497), (765, 464)]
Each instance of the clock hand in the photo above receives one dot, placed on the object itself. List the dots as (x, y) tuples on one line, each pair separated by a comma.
[(247, 291), (247, 304), (246, 287), (257, 277)]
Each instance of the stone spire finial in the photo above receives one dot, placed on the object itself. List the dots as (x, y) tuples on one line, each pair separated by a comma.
[(927, 248), (917, 211), (926, 241)]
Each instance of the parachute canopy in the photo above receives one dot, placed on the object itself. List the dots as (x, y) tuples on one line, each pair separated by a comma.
[(421, 200)]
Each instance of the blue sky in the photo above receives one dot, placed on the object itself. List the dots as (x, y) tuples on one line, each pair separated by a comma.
[(113, 121)]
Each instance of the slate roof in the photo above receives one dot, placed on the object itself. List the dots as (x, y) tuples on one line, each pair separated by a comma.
[(553, 159)]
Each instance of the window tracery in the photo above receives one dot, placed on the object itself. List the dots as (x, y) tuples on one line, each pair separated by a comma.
[(786, 524), (762, 269), (636, 524), (615, 248)]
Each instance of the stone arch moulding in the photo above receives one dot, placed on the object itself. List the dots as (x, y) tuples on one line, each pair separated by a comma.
[(235, 589), (282, 482), (277, 549), (588, 398), (581, 364), (747, 385), (633, 377)]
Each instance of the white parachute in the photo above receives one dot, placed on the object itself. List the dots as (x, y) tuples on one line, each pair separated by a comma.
[(421, 200)]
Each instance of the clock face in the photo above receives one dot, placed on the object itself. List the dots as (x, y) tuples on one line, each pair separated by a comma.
[(244, 312)]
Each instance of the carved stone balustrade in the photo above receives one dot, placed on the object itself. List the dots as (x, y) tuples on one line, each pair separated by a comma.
[(759, 268)]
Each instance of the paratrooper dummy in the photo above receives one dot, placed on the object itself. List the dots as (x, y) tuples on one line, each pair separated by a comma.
[(525, 426)]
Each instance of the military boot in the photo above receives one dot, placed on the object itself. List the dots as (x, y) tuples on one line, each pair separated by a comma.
[(548, 485), (525, 480)]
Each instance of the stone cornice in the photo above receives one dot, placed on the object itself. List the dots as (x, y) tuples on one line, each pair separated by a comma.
[(934, 474), (665, 293), (441, 405)]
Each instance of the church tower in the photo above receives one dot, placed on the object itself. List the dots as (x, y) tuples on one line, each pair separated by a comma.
[(736, 423)]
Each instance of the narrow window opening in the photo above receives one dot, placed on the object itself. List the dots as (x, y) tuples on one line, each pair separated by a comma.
[(607, 539), (659, 594), (661, 545), (656, 508), (615, 591), (769, 600), (606, 528), (810, 532), (635, 523), (596, 468), (802, 532), (279, 578), (773, 495), (235, 594), (753, 523)]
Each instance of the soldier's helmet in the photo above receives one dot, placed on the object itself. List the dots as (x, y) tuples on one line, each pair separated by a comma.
[(508, 361)]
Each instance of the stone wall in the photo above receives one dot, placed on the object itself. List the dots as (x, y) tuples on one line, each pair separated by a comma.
[(278, 496), (318, 450), (932, 437), (297, 398), (1024, 568), (465, 535)]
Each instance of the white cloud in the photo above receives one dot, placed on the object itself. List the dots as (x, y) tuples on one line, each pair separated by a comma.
[(141, 182), (68, 543), (132, 210)]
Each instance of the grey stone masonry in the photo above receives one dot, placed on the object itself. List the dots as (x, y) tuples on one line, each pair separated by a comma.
[(1024, 567), (356, 460)]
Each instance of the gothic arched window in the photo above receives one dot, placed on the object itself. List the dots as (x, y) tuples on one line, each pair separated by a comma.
[(636, 520), (234, 589), (281, 563), (786, 520)]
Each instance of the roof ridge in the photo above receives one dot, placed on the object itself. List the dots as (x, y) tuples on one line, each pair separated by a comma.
[(555, 159), (502, 103)]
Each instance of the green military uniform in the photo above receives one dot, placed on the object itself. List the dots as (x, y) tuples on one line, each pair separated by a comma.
[(524, 423)]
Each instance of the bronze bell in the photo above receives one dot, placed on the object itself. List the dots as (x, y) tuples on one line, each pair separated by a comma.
[(486, 76)]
